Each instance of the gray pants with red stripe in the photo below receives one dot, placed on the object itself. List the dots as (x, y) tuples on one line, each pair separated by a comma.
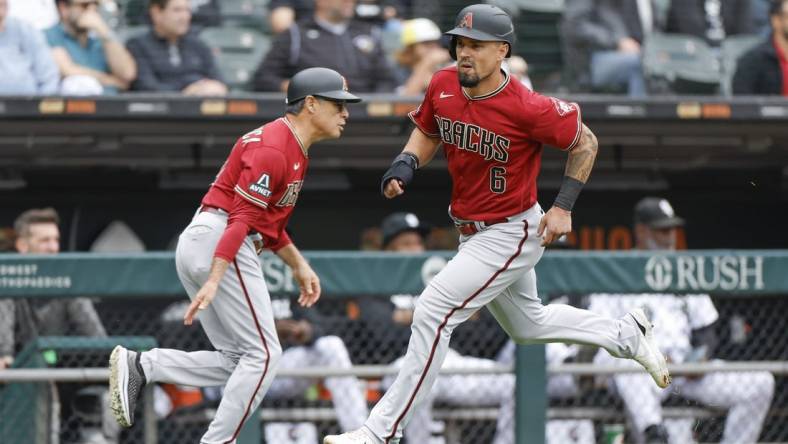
[(493, 268), (239, 323)]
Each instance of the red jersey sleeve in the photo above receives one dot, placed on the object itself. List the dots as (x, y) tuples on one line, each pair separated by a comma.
[(263, 173), (231, 240), (262, 176), (424, 115), (552, 121), (283, 241)]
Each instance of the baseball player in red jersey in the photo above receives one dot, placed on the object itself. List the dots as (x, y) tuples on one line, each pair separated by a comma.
[(492, 129), (217, 261)]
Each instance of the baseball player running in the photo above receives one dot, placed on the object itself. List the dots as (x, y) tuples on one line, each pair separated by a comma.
[(217, 261), (492, 130)]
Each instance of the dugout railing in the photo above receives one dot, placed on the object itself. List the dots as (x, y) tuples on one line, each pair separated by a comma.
[(750, 274)]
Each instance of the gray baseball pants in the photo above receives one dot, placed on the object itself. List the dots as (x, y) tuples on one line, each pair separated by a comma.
[(493, 268), (239, 323)]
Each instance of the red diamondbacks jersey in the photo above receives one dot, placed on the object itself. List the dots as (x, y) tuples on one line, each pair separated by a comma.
[(260, 180), (493, 143)]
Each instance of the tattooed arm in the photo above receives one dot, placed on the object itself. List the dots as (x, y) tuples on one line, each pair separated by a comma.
[(558, 220)]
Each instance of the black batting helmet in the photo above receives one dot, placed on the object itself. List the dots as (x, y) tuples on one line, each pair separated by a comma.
[(319, 82), (483, 22)]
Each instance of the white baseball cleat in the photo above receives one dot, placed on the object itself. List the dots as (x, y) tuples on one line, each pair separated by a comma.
[(126, 380), (354, 437), (648, 354)]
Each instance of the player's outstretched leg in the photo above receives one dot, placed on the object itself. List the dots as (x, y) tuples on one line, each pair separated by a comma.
[(126, 380), (648, 354)]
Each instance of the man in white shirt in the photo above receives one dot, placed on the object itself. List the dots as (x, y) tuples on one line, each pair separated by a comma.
[(686, 334)]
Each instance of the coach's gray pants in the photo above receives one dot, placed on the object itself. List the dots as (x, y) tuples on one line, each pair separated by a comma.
[(239, 323), (493, 268)]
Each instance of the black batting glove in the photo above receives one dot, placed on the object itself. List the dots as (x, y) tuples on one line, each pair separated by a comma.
[(402, 168)]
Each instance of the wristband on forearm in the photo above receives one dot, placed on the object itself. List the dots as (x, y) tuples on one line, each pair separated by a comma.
[(402, 168), (567, 195)]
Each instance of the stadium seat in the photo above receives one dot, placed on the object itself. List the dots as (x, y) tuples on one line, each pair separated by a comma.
[(128, 32), (681, 64), (237, 70), (236, 40), (251, 13), (238, 51), (732, 49), (555, 6)]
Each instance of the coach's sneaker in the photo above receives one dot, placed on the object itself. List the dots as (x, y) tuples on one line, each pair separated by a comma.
[(648, 354), (355, 437), (126, 380)]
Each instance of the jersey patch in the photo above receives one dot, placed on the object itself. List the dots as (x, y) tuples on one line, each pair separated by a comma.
[(561, 107), (262, 186)]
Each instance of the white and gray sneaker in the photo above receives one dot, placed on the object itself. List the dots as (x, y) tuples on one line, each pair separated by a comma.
[(126, 380), (355, 437), (648, 354)]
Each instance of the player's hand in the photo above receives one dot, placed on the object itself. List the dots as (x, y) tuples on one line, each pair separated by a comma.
[(554, 224), (201, 301), (309, 284), (393, 189)]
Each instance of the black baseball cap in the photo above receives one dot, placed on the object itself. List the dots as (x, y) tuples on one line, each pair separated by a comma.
[(397, 223), (656, 212), (319, 82)]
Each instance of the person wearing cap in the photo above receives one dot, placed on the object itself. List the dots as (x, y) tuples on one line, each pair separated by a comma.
[(492, 131), (687, 326), (332, 37), (420, 56), (246, 208)]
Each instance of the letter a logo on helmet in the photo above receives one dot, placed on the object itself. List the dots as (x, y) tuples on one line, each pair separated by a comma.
[(483, 22), (467, 21)]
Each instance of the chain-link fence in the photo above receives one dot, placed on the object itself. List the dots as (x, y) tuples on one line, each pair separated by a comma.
[(466, 408)]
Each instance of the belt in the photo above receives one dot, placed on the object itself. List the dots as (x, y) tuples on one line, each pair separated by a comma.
[(213, 210), (469, 228)]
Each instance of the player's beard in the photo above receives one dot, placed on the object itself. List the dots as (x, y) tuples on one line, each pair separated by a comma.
[(469, 80)]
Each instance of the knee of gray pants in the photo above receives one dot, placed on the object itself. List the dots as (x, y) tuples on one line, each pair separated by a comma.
[(259, 357)]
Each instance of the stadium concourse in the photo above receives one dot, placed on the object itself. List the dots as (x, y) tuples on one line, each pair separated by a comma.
[(118, 114)]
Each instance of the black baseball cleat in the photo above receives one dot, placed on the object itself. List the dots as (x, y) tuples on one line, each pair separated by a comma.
[(126, 380)]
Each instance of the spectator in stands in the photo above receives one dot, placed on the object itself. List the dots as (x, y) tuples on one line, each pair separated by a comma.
[(26, 65), (204, 13), (688, 335), (37, 232), (712, 20), (286, 12), (603, 39), (764, 69), (332, 38), (172, 59), (41, 14), (90, 58), (420, 56)]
